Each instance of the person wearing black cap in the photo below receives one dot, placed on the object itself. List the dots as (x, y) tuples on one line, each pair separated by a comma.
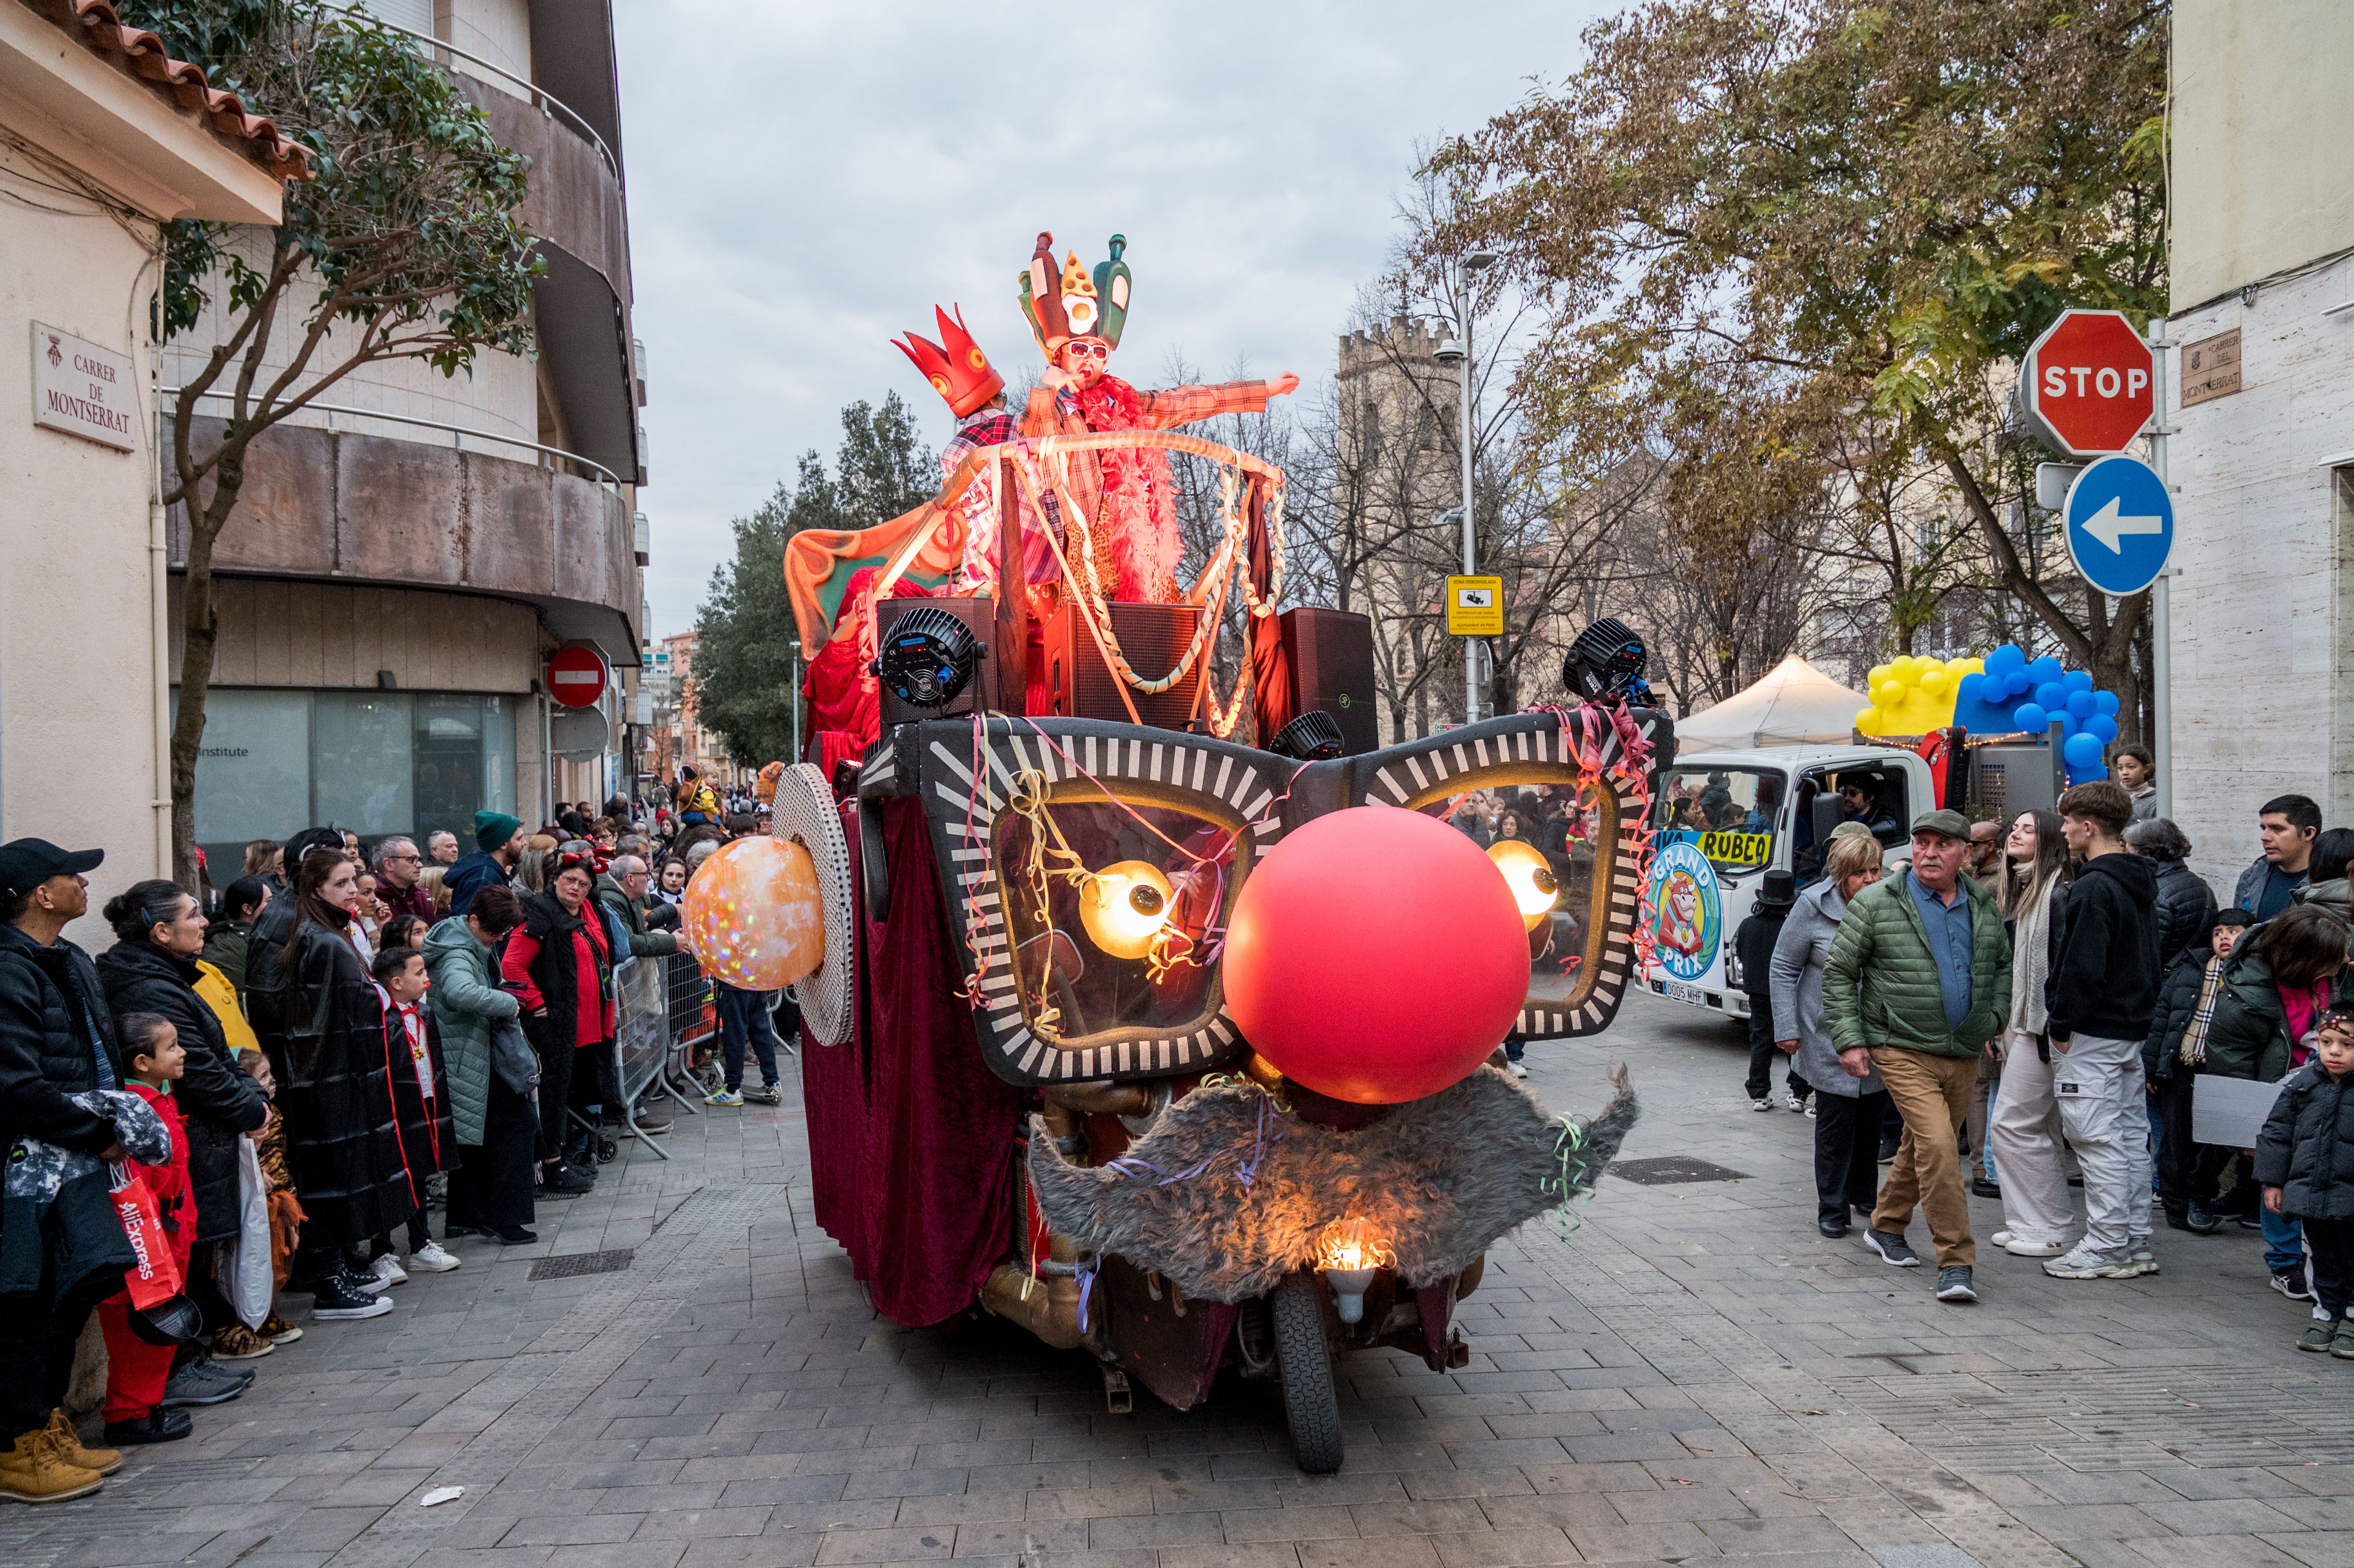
[(57, 1039), (1753, 948)]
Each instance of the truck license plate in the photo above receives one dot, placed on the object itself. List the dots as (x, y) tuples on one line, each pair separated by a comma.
[(1678, 991)]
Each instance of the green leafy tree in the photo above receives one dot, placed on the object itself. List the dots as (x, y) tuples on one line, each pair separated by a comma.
[(405, 245), (1878, 205), (744, 655)]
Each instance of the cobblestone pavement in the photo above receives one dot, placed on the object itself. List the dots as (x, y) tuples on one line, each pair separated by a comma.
[(1692, 1374)]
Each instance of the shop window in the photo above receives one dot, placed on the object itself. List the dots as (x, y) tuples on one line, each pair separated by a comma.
[(253, 771), (379, 763), (363, 765)]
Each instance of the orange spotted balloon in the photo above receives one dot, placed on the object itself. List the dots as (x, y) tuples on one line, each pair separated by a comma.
[(753, 916)]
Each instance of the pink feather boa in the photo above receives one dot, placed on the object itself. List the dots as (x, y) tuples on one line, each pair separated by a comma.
[(1138, 511)]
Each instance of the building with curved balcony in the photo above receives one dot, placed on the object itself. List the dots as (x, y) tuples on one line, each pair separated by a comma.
[(104, 137), (410, 550)]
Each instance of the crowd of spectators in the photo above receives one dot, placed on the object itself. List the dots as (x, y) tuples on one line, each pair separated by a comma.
[(2027, 1010), (293, 1073)]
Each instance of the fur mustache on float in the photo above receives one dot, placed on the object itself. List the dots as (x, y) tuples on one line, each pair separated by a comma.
[(1226, 1194)]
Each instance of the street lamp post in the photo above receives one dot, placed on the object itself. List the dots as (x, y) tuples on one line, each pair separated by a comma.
[(797, 700), (1459, 353)]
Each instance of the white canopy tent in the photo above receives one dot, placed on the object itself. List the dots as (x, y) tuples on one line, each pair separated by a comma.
[(1796, 704)]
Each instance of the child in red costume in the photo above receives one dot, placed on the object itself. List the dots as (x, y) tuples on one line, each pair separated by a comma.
[(135, 1370)]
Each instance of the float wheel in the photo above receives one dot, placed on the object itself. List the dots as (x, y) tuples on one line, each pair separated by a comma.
[(1304, 1359)]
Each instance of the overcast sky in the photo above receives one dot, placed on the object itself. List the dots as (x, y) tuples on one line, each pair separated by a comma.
[(808, 179)]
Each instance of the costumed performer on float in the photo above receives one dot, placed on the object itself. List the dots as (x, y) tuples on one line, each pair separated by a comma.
[(975, 393), (1126, 494)]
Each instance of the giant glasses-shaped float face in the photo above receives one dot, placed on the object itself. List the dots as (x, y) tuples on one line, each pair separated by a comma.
[(1089, 870), (1114, 904)]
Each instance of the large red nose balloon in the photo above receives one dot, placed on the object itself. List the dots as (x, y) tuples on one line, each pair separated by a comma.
[(1375, 956)]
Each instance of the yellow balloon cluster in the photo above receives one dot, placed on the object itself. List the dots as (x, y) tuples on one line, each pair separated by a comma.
[(753, 916), (1913, 696)]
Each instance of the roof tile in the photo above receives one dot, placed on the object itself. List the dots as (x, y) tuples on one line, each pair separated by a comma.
[(142, 54)]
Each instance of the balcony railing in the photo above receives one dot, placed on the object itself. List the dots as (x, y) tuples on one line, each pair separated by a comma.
[(546, 102), (547, 455)]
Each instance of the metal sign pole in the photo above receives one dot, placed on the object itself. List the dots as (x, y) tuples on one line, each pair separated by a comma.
[(1471, 545), (2161, 608), (797, 702)]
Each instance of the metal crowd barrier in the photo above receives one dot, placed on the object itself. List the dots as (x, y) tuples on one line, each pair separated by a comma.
[(663, 1010)]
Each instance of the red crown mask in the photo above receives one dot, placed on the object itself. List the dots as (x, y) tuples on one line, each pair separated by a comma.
[(960, 372)]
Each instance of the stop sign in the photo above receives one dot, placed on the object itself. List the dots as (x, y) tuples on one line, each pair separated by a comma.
[(576, 676), (2088, 383)]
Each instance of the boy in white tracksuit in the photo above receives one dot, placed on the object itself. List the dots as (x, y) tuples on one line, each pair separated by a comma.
[(2101, 991)]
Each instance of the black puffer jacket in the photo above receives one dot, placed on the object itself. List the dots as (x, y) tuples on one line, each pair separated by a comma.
[(54, 1026), (320, 1022), (2306, 1148), (2104, 970), (2185, 905), (2249, 1036), (217, 1100), (2178, 1000)]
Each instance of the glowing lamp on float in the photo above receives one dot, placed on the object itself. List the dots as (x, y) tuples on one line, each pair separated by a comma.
[(752, 915), (1535, 887), (1350, 1254), (1124, 906), (1374, 955)]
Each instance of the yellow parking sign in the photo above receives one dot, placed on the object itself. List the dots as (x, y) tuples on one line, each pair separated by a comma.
[(1475, 607)]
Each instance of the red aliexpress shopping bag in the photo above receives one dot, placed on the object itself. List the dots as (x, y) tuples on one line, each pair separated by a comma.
[(156, 1279)]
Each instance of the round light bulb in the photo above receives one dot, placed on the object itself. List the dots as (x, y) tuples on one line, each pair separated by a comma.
[(1124, 906), (1526, 872)]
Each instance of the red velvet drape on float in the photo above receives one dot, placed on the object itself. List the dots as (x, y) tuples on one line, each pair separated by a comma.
[(911, 1136), (1273, 702)]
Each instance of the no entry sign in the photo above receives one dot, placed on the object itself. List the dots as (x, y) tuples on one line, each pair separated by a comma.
[(576, 676), (2087, 384)]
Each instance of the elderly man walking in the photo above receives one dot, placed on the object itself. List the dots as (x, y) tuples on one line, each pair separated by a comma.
[(1918, 981)]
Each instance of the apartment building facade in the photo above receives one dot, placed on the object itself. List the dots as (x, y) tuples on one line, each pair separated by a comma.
[(411, 550)]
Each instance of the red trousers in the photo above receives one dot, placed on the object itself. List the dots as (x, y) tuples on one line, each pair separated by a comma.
[(135, 1370)]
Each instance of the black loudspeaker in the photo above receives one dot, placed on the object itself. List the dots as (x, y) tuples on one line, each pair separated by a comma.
[(1330, 653), (979, 618), (1079, 684)]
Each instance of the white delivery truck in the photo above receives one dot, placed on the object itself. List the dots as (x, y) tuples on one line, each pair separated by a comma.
[(1722, 818)]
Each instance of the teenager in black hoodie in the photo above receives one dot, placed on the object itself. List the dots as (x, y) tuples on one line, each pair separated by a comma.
[(2101, 992)]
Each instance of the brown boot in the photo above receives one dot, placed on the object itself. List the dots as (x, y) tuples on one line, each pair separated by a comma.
[(105, 1461), (32, 1472)]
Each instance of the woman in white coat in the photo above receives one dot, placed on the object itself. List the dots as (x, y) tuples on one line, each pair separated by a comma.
[(2024, 1127)]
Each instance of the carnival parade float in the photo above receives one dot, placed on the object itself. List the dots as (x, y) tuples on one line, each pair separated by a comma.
[(1180, 1052)]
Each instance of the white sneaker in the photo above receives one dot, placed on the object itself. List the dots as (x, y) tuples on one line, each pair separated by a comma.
[(2083, 1265), (387, 1269), (1810, 1110), (1790, 1098), (2139, 1259), (431, 1259), (1518, 1071), (2000, 1238), (2019, 1247), (1764, 1104)]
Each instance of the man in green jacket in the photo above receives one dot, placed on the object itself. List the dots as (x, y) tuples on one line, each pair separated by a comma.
[(1918, 981)]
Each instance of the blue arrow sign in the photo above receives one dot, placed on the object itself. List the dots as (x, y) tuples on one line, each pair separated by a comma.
[(2120, 526)]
